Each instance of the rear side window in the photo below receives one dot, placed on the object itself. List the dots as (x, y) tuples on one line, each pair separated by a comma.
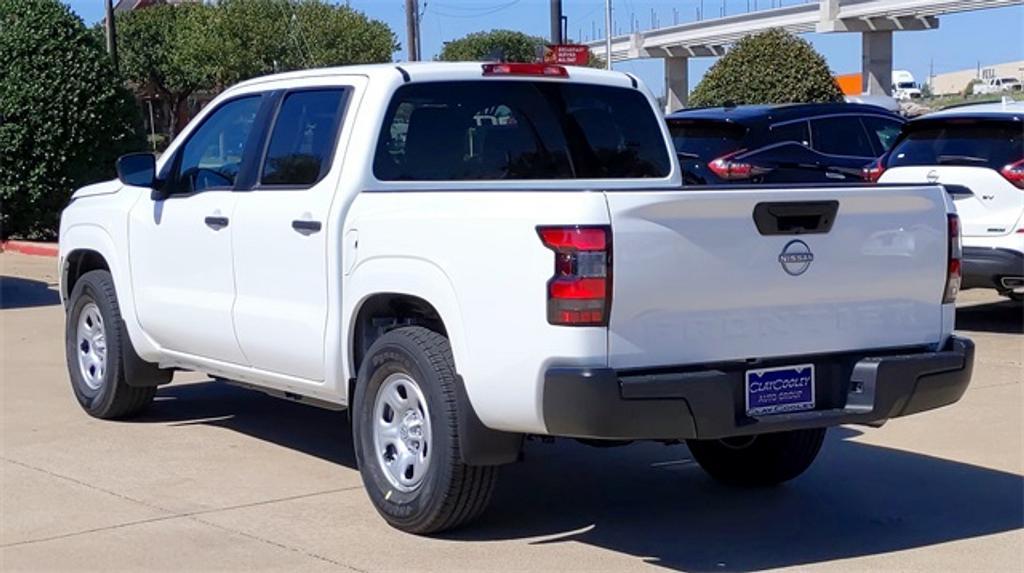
[(510, 129), (706, 140), (302, 142), (959, 142), (841, 135), (795, 131)]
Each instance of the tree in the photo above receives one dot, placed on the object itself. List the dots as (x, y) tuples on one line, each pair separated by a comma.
[(249, 38), (155, 58), (766, 68), (507, 45), (64, 114), (178, 50)]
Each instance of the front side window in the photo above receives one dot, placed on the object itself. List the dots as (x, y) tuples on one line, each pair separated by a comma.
[(883, 132), (842, 135), (302, 141), (511, 129), (212, 156)]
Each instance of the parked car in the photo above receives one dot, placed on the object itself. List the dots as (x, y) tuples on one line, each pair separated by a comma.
[(977, 152), (997, 86), (452, 282), (796, 143)]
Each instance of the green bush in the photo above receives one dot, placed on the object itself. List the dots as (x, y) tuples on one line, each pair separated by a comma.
[(64, 114), (507, 45), (768, 68)]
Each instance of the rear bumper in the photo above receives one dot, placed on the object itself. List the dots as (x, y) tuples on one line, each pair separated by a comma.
[(986, 267), (709, 403)]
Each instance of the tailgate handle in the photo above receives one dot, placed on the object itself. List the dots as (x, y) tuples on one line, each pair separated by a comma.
[(796, 217)]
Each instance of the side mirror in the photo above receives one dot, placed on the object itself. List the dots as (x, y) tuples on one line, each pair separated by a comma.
[(137, 169)]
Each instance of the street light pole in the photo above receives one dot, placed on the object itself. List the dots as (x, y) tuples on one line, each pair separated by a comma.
[(608, 33), (412, 29), (111, 32), (556, 22)]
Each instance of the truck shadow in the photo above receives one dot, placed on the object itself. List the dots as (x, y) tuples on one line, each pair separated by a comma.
[(1005, 316), (652, 502), (18, 292)]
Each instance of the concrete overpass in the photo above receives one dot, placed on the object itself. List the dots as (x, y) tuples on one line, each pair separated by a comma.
[(875, 20)]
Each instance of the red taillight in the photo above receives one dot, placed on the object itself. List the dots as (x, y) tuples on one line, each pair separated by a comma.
[(1014, 173), (524, 69), (955, 254), (579, 293), (725, 167), (873, 172)]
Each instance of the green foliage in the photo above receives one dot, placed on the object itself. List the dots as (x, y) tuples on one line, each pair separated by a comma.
[(64, 115), (154, 58), (767, 68), (236, 40), (177, 50), (508, 45)]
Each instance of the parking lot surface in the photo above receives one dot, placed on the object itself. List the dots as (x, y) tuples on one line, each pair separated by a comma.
[(214, 477)]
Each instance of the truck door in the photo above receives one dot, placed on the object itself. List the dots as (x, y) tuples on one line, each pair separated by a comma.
[(180, 242), (282, 262)]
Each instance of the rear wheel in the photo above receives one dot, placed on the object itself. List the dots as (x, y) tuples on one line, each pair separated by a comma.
[(765, 459), (96, 345), (405, 427)]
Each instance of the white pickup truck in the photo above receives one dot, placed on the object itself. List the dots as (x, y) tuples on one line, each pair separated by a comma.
[(466, 254)]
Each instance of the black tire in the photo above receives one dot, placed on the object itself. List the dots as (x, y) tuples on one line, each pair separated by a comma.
[(112, 398), (451, 493), (762, 460)]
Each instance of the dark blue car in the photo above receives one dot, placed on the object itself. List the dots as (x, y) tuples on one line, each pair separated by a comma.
[(792, 143)]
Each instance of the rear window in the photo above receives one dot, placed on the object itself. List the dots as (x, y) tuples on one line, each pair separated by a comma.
[(705, 140), (508, 129), (959, 142)]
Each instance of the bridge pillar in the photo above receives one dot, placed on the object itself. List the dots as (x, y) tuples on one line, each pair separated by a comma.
[(677, 83), (876, 62)]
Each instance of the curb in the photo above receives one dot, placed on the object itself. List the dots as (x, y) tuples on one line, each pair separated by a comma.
[(30, 248)]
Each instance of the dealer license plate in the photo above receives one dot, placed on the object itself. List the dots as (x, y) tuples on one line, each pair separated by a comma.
[(778, 390)]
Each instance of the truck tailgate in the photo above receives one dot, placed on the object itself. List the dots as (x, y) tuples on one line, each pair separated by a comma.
[(697, 281)]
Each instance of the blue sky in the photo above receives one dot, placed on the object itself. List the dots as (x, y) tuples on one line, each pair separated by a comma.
[(962, 40)]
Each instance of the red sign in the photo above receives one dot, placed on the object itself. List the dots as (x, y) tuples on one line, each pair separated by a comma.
[(567, 54)]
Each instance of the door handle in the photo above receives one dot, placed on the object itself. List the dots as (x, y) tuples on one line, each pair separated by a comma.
[(216, 223), (306, 227)]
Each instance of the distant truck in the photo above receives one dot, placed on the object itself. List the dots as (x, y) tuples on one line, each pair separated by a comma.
[(997, 86), (904, 86)]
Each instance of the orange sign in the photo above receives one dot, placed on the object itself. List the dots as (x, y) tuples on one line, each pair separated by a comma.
[(567, 54), (850, 84)]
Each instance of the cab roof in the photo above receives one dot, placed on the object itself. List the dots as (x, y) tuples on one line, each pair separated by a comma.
[(440, 71)]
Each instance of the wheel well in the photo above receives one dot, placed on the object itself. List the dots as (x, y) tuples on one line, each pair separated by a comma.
[(80, 262), (386, 311)]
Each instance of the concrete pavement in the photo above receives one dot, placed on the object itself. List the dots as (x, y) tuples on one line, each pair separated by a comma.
[(219, 478)]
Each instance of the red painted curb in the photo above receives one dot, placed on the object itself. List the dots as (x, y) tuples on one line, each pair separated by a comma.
[(30, 248)]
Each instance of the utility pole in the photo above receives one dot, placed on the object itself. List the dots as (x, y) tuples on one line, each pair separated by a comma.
[(412, 29), (111, 33), (556, 22), (608, 34)]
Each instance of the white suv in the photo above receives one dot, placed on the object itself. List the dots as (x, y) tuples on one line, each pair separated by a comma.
[(977, 153)]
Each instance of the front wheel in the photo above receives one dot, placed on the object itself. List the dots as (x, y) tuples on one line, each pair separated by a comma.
[(765, 459), (97, 345), (405, 427)]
